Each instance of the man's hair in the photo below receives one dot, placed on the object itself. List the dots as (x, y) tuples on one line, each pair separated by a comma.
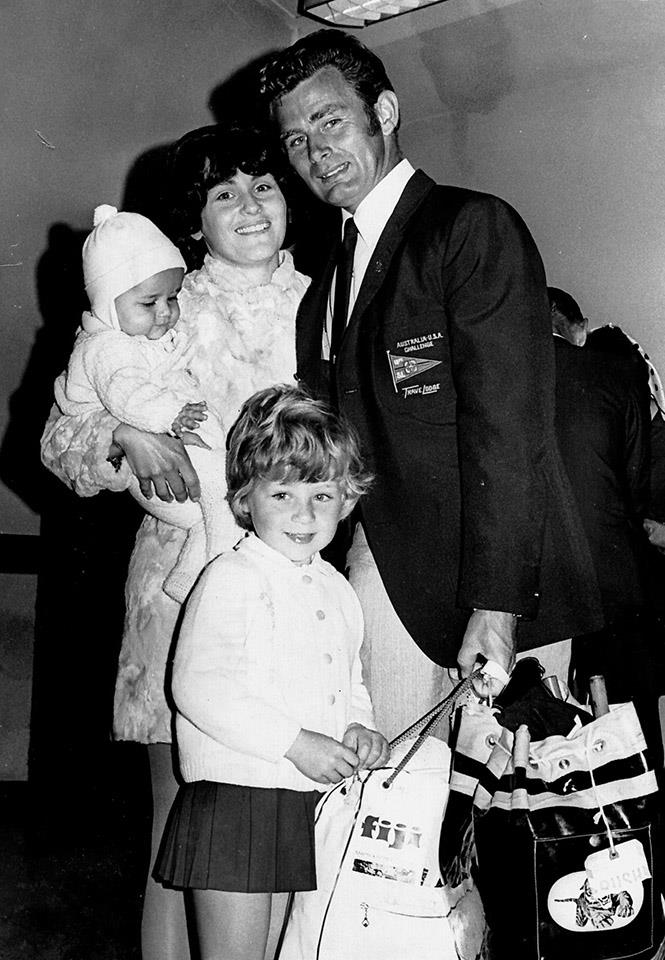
[(283, 434), (361, 68), (566, 305), (208, 156)]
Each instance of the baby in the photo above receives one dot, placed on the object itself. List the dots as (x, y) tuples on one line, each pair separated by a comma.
[(130, 359)]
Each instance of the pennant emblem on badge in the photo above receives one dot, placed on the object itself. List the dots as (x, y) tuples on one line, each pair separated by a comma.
[(404, 368)]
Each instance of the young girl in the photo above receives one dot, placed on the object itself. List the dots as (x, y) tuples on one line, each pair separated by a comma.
[(267, 679), (130, 359)]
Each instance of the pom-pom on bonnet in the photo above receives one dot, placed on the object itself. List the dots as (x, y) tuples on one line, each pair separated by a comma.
[(122, 250)]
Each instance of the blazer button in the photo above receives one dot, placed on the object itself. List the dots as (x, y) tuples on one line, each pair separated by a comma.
[(306, 578), (320, 615), (331, 699), (327, 658)]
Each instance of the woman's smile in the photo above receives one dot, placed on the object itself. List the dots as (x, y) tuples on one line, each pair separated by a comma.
[(244, 221)]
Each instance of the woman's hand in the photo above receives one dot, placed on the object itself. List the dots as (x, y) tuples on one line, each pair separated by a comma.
[(160, 464)]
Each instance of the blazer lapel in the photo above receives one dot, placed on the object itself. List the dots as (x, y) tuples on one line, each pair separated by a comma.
[(414, 194)]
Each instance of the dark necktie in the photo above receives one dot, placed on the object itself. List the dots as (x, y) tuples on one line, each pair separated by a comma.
[(343, 286)]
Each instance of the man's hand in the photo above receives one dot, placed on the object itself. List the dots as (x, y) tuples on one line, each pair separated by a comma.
[(159, 462), (656, 534), (371, 746), (491, 634)]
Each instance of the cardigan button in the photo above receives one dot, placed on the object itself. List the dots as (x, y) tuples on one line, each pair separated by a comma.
[(327, 658), (331, 699), (306, 578), (320, 615)]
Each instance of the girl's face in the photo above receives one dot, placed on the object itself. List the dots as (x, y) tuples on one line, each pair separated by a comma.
[(244, 221), (296, 517)]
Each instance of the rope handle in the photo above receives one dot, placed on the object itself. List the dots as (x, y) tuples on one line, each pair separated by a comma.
[(429, 722)]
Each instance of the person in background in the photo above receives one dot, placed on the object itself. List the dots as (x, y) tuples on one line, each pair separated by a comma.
[(267, 679), (429, 327), (610, 338), (603, 431), (237, 312)]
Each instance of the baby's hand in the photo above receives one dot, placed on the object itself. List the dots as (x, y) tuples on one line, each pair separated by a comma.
[(189, 418), (321, 758), (372, 748)]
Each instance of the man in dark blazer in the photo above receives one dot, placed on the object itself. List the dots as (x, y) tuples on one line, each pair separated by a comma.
[(446, 368)]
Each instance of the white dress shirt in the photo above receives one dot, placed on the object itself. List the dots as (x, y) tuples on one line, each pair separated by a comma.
[(371, 217)]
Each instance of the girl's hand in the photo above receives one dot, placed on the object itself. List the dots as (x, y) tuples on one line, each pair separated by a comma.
[(321, 758), (372, 748), (160, 462), (190, 417)]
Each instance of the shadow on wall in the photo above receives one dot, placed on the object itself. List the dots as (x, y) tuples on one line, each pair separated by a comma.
[(83, 555), (469, 63)]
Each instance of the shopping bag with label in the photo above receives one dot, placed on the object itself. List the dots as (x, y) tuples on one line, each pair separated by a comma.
[(379, 892)]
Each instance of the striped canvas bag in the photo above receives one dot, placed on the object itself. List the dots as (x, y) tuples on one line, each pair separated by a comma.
[(567, 842)]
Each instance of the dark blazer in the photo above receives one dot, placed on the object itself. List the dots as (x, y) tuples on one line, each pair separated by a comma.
[(447, 371), (603, 430)]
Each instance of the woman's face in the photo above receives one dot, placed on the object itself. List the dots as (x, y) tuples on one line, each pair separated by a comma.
[(244, 221)]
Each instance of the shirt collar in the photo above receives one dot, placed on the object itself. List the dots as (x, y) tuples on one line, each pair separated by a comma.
[(252, 544), (376, 209)]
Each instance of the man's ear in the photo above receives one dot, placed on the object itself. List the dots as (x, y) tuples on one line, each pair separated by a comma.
[(386, 109), (349, 504), (581, 333)]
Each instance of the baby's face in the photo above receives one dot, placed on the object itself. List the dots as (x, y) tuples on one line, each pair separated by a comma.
[(151, 307)]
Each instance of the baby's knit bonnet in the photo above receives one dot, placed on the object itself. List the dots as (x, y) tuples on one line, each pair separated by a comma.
[(122, 250)]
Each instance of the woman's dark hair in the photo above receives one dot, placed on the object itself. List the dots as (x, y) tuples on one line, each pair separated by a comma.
[(208, 156), (361, 68)]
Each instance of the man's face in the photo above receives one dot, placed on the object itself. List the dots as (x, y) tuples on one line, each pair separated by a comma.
[(324, 130)]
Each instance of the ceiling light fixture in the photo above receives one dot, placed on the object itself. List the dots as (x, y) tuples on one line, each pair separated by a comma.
[(359, 13)]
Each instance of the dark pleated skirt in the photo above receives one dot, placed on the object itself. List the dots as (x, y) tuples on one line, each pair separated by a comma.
[(224, 836)]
